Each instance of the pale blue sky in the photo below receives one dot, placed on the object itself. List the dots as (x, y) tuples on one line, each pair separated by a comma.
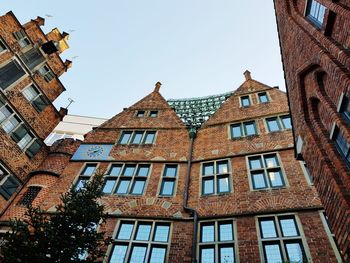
[(194, 47)]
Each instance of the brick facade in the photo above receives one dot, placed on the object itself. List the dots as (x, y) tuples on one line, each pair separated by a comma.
[(315, 52)]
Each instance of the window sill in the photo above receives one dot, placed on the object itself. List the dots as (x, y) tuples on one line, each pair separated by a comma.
[(268, 189)]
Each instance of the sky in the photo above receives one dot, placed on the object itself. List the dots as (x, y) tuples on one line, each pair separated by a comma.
[(121, 48)]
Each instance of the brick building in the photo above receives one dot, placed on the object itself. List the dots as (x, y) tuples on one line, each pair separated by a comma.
[(30, 65), (210, 179), (315, 45)]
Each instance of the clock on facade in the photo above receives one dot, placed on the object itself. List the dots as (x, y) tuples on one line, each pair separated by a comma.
[(93, 152)]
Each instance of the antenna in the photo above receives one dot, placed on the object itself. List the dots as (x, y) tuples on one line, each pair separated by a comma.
[(70, 102)]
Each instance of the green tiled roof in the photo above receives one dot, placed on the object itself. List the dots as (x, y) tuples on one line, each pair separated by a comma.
[(195, 111)]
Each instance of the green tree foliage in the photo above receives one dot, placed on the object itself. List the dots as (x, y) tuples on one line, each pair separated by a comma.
[(64, 236)]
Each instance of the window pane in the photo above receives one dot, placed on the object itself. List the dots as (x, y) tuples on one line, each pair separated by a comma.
[(24, 141), (276, 178), (140, 113), (80, 184), (161, 233), (170, 170), (33, 148), (158, 255), (225, 231), (271, 161), (207, 255), (227, 255), (138, 254), (249, 128), (10, 124), (258, 180), (272, 124), (236, 131), (207, 233), (273, 253), (118, 254), (153, 114), (294, 252), (143, 232), (137, 188), (5, 112), (208, 186), (286, 122), (89, 169), (10, 73), (2, 47), (123, 186), (208, 168), (268, 228), (30, 93), (143, 170), (149, 137), (245, 101), (255, 163), (223, 185), (108, 187), (288, 227), (137, 138), (167, 187), (125, 231), (40, 103), (263, 97), (222, 167), (129, 170), (124, 139), (115, 170)]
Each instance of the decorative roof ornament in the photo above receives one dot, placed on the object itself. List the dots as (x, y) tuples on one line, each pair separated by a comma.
[(195, 111)]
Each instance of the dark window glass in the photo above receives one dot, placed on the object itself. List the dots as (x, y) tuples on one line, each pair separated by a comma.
[(22, 38), (342, 145), (124, 139), (207, 232), (2, 47), (46, 73), (161, 233), (143, 231), (263, 97), (149, 138), (9, 184), (136, 139), (236, 131), (245, 101), (272, 124), (32, 58), (315, 12), (153, 114), (34, 148), (140, 113), (10, 73), (30, 195), (125, 231)]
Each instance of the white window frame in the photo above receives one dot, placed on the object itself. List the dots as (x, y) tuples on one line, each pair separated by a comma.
[(243, 129)]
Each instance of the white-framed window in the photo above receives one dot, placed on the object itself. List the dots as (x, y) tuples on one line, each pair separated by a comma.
[(35, 98), (243, 129), (11, 123), (10, 72), (137, 137), (8, 183), (140, 241), (215, 177), (22, 38), (245, 101), (263, 97), (168, 180), (126, 178), (217, 241), (278, 123), (265, 171), (281, 239), (46, 73)]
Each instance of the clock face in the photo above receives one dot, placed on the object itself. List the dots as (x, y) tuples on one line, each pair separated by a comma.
[(94, 151)]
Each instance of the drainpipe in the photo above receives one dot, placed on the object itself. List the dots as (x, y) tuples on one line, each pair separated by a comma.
[(192, 134)]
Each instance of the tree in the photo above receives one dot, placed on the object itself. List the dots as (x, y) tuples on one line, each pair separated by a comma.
[(67, 235)]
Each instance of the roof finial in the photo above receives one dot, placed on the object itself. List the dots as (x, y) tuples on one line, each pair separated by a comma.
[(247, 75), (157, 87)]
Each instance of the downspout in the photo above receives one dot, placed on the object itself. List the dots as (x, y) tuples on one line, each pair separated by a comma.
[(192, 134)]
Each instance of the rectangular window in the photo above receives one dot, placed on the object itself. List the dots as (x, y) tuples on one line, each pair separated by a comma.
[(46, 73), (30, 195), (32, 58), (22, 38), (10, 73), (243, 129), (315, 12), (13, 126), (281, 239), (278, 123), (341, 144), (126, 179), (8, 183), (217, 241), (33, 95), (141, 241), (85, 175), (265, 171), (168, 180), (308, 176), (263, 98), (216, 177), (345, 109), (137, 137), (245, 101), (153, 113), (140, 113)]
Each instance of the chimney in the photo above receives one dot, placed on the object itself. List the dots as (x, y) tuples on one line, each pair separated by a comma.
[(247, 75), (157, 87), (39, 20)]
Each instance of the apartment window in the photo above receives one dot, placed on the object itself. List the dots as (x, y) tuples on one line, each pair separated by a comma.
[(215, 177), (32, 58), (217, 242), (8, 183), (153, 113), (22, 38), (2, 46), (263, 98), (30, 195), (265, 171), (137, 137), (315, 12), (46, 73), (278, 123), (33, 95), (123, 179), (12, 125), (140, 113), (341, 144), (245, 101), (168, 180), (306, 171), (141, 241), (85, 175), (281, 240), (10, 73), (243, 129), (345, 108)]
